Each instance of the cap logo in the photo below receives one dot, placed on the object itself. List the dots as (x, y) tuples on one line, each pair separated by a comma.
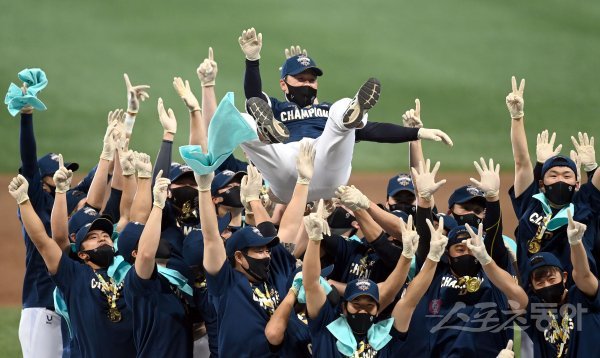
[(347, 215), (89, 211), (256, 231), (228, 172), (473, 191), (185, 168), (403, 180), (363, 285), (303, 60)]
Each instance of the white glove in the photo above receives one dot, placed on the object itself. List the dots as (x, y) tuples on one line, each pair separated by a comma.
[(251, 44), (143, 165), (126, 159), (544, 148), (585, 151), (184, 91), (352, 198), (134, 95), (18, 189), (161, 186), (575, 157), (207, 71), (204, 181), (294, 51), (167, 119), (315, 224), (438, 241), (575, 229), (425, 179), (507, 352), (412, 117), (434, 135), (250, 187), (109, 143), (62, 177), (305, 162), (490, 178), (410, 238), (475, 244), (514, 100)]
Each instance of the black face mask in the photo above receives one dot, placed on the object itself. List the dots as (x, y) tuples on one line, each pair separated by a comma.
[(231, 197), (360, 322), (471, 219), (102, 256), (258, 268), (552, 293), (185, 203), (302, 95), (407, 208), (559, 193), (465, 265)]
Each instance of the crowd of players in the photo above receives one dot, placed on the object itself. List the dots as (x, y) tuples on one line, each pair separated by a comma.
[(153, 260)]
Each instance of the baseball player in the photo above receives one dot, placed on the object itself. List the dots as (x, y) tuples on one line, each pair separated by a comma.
[(333, 127)]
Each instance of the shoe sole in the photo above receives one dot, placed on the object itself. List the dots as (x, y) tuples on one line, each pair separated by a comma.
[(365, 99), (272, 130)]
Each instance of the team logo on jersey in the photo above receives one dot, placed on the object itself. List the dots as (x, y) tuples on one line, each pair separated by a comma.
[(435, 306), (404, 180), (474, 191), (303, 60)]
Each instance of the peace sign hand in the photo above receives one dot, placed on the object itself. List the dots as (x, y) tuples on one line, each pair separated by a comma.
[(475, 244), (514, 100), (410, 238), (438, 241)]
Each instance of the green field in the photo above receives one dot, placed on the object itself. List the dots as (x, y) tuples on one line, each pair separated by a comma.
[(456, 56), (9, 332)]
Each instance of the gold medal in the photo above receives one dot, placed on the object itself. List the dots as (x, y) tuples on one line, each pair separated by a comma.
[(534, 247), (114, 315), (473, 284)]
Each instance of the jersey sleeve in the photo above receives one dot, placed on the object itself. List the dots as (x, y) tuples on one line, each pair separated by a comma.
[(66, 274), (326, 315), (386, 133), (282, 262), (138, 286), (218, 284), (521, 202), (590, 303)]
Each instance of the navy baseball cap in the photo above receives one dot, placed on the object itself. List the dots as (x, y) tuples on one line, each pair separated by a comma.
[(340, 219), (361, 287), (101, 223), (298, 64), (48, 164), (458, 234), (559, 161), (464, 194), (178, 171), (81, 218), (449, 222), (542, 259), (246, 237), (399, 183), (74, 196), (401, 214), (128, 239), (223, 179)]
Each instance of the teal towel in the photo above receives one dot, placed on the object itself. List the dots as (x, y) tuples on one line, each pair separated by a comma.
[(226, 131), (60, 307), (377, 336), (560, 219), (298, 284), (15, 99)]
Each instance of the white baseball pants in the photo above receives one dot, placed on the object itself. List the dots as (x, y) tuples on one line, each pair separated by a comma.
[(40, 333)]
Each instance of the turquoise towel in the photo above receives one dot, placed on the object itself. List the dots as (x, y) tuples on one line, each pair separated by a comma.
[(226, 131), (15, 99), (298, 283), (560, 219), (60, 307), (377, 336)]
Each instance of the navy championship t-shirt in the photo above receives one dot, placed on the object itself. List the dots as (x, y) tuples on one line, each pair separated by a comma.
[(306, 122), (94, 333)]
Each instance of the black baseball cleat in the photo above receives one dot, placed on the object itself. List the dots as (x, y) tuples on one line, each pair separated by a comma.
[(366, 97), (270, 130)]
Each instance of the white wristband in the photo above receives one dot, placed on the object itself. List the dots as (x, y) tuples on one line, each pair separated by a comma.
[(129, 122)]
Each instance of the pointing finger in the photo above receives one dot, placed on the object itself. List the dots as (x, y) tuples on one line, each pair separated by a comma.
[(210, 54), (127, 82), (61, 162)]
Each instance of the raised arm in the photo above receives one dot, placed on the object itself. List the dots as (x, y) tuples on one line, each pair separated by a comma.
[(587, 156), (146, 252), (59, 218), (517, 298), (584, 278), (251, 43), (142, 201), (214, 250), (316, 226), (207, 73), (197, 129), (48, 248), (277, 325), (28, 151), (169, 124), (518, 138), (135, 94)]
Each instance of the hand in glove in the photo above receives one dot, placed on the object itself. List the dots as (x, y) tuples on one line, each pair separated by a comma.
[(412, 117), (62, 177), (126, 158), (435, 135), (544, 148), (161, 186), (305, 162), (109, 143), (315, 224), (207, 71), (143, 165), (585, 151), (514, 100), (185, 92), (18, 189), (134, 95), (425, 179), (352, 198), (507, 352), (475, 244), (250, 187), (438, 241), (490, 178), (575, 229), (294, 51), (575, 157), (410, 238), (251, 44), (167, 119)]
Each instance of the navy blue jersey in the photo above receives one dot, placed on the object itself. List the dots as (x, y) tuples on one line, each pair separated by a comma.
[(161, 327), (324, 343), (459, 323), (297, 341), (243, 309), (355, 260), (306, 122), (571, 333), (533, 222), (94, 333)]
